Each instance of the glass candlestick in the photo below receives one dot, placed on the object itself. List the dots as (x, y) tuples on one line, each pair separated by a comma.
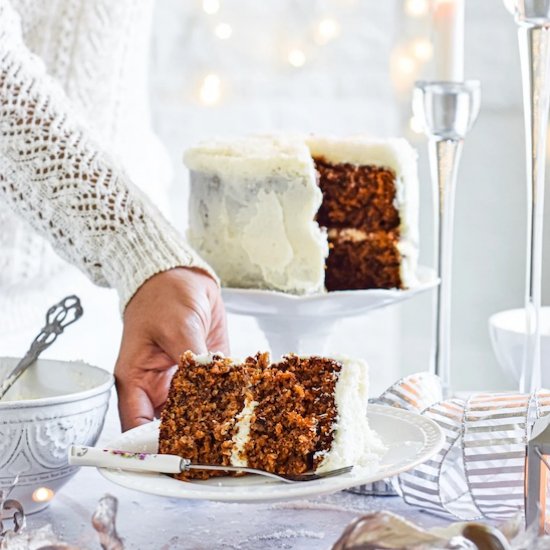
[(533, 19), (447, 111)]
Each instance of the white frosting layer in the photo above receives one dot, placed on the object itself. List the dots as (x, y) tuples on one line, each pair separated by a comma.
[(253, 203), (206, 358), (354, 442), (242, 435)]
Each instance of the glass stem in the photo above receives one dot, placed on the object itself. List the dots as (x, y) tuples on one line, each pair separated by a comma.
[(444, 159), (534, 54)]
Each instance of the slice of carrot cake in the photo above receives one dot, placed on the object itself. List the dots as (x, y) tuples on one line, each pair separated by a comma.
[(297, 415)]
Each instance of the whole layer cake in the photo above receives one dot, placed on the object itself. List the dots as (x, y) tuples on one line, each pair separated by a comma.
[(304, 215), (297, 415)]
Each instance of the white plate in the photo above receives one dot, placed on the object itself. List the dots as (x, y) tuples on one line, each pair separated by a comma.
[(411, 439), (248, 301)]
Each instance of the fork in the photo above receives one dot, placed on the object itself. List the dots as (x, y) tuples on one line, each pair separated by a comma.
[(81, 455)]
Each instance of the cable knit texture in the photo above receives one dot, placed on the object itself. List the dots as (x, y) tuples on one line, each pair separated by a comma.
[(55, 171)]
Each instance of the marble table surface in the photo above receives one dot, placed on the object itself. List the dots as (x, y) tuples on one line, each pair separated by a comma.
[(149, 522), (157, 523)]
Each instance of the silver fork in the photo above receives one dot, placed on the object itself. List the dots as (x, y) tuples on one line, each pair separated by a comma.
[(308, 476), (80, 455)]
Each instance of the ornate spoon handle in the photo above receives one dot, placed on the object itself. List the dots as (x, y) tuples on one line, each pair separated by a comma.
[(58, 317)]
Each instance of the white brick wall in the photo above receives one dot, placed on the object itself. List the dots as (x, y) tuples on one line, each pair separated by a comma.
[(346, 88)]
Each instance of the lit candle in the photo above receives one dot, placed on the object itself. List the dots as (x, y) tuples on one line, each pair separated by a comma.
[(448, 39)]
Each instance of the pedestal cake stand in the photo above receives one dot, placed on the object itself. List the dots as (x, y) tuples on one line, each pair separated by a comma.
[(302, 324)]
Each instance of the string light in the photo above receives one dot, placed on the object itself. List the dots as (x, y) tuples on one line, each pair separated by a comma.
[(327, 30), (211, 6), (403, 70), (405, 64), (422, 49), (223, 31), (210, 91), (417, 8), (296, 57)]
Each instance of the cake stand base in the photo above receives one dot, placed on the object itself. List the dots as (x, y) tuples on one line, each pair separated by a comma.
[(303, 324), (300, 335)]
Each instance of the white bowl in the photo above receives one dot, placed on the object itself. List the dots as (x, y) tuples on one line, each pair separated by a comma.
[(507, 330), (53, 405)]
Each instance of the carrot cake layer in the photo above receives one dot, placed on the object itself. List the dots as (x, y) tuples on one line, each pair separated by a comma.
[(297, 415)]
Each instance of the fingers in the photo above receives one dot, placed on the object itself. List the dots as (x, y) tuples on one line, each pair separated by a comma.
[(187, 335), (171, 313), (134, 406), (144, 367)]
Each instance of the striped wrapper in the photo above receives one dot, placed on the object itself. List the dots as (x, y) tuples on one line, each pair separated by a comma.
[(480, 470), (415, 392)]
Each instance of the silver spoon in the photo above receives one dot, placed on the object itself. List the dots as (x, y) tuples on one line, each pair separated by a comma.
[(58, 317)]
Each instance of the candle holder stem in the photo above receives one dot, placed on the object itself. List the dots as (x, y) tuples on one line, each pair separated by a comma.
[(534, 46), (444, 160), (447, 111)]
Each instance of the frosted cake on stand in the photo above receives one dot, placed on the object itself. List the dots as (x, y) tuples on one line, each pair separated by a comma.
[(300, 215)]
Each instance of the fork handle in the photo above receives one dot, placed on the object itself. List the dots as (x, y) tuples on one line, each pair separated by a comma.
[(80, 455)]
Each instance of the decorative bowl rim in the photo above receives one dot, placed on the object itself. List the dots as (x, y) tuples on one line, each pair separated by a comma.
[(495, 320), (61, 399)]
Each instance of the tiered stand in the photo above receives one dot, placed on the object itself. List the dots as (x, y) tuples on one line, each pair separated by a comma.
[(303, 324)]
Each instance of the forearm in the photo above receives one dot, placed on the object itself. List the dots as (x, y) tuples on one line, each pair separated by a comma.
[(54, 174)]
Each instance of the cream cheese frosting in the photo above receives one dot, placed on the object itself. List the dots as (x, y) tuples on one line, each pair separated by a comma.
[(354, 442), (252, 213)]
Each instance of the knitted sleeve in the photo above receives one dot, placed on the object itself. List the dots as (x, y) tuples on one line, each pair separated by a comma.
[(55, 175)]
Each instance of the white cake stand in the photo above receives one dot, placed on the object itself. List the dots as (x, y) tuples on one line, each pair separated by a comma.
[(302, 324)]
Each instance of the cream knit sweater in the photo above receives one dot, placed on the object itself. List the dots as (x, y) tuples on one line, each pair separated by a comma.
[(75, 136)]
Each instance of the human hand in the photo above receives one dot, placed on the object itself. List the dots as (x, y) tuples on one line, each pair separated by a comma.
[(174, 311)]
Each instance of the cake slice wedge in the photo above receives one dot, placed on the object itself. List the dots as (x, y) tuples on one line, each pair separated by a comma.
[(296, 415)]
